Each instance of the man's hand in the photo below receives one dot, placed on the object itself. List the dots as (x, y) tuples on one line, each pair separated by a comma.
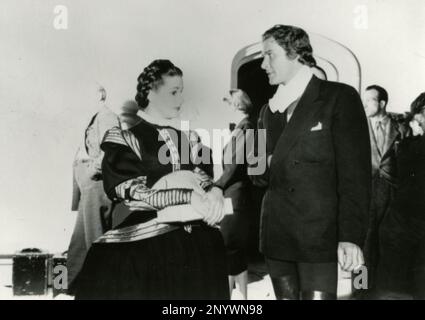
[(350, 256)]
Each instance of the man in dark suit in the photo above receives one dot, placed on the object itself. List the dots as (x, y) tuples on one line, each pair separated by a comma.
[(314, 212), (386, 133)]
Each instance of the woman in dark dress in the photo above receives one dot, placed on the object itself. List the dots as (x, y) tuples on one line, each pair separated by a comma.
[(401, 270), (237, 186), (144, 258)]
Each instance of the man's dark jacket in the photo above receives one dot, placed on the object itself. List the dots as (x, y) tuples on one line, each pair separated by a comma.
[(319, 178)]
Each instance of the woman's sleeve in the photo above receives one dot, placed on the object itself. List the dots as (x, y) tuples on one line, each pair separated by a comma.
[(126, 176), (203, 161), (105, 120), (233, 156)]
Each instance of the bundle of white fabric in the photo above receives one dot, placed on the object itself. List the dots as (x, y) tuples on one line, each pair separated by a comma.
[(182, 213)]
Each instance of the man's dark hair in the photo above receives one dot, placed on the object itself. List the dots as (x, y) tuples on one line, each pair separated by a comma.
[(294, 41), (382, 93)]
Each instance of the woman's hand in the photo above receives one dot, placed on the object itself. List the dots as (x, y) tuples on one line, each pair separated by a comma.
[(200, 205), (216, 205)]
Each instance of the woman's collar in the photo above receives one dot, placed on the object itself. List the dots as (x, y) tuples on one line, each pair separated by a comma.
[(173, 123)]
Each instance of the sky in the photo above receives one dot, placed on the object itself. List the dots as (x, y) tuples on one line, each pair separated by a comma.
[(49, 76)]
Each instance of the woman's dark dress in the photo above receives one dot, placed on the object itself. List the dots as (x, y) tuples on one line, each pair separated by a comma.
[(402, 234), (185, 263), (237, 186)]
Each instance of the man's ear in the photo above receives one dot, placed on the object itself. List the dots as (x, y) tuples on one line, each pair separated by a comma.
[(382, 105)]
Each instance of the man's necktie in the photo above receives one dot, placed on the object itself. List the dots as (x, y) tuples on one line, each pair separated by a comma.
[(380, 136)]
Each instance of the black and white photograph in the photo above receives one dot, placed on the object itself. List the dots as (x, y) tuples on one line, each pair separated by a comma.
[(234, 151)]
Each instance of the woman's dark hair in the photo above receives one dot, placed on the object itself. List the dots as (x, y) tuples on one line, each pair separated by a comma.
[(240, 98), (294, 41), (244, 101), (415, 107), (152, 77), (418, 105)]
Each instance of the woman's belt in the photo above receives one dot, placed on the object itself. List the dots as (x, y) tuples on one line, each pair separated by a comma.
[(144, 231)]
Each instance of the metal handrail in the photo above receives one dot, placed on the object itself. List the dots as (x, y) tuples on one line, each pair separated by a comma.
[(6, 256)]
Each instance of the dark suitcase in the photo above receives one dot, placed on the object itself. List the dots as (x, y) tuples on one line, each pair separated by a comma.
[(30, 272)]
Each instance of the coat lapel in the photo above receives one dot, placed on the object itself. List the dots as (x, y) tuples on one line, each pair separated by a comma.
[(301, 119), (373, 143), (391, 137)]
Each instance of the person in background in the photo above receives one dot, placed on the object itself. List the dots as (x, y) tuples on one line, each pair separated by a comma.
[(386, 133), (401, 268), (89, 199), (236, 185), (128, 115)]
